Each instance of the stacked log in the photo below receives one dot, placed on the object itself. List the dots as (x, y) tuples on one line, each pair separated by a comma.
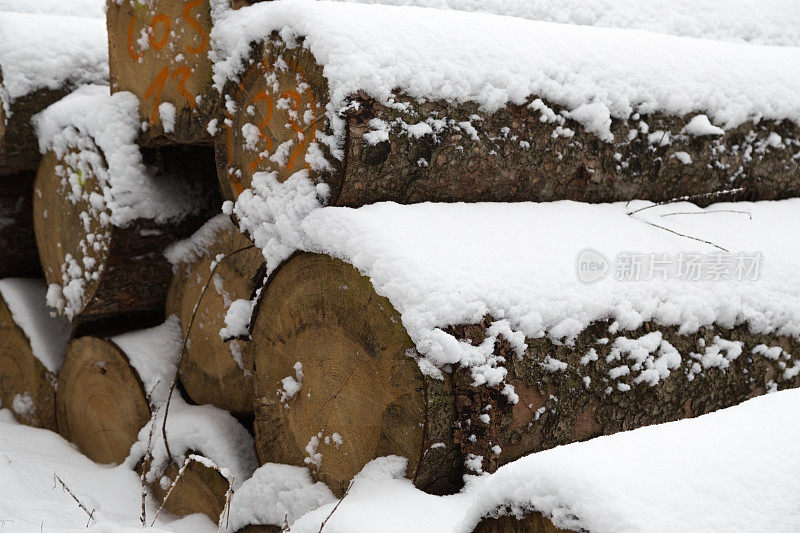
[(360, 396), (106, 274), (18, 255), (32, 346), (214, 370), (530, 152)]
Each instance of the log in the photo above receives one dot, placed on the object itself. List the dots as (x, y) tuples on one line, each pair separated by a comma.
[(106, 277), (215, 371), (101, 404), (200, 489), (532, 522), (528, 152), (27, 386), (18, 254), (19, 147), (159, 52), (331, 357)]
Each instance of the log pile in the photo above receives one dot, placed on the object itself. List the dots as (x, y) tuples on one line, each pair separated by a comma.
[(329, 372)]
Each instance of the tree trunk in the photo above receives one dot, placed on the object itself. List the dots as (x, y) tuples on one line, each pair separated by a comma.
[(18, 254), (200, 489), (19, 147), (101, 404), (214, 371), (518, 153), (111, 277), (358, 381), (159, 51), (26, 386)]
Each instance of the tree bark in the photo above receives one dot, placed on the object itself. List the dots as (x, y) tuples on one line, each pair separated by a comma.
[(19, 147), (23, 378), (518, 153), (533, 522), (358, 380), (159, 51), (214, 371), (101, 404), (18, 254), (123, 274)]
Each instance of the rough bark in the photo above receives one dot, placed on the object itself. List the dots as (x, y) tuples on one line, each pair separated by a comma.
[(100, 404), (518, 153), (214, 371), (158, 50), (359, 381), (533, 522), (122, 269), (200, 489), (27, 388), (18, 254), (19, 147)]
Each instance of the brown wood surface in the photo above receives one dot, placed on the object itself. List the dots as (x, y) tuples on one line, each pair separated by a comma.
[(359, 381), (18, 254), (21, 373), (200, 489), (209, 372), (100, 403), (513, 156), (532, 522)]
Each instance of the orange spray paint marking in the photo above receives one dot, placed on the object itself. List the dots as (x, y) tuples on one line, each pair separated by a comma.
[(159, 19), (305, 139), (136, 57), (183, 73), (194, 24), (263, 126), (154, 91)]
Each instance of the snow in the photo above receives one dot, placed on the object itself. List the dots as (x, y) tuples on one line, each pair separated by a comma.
[(48, 335), (91, 118), (593, 72), (31, 501), (733, 470), (237, 319), (773, 22), (700, 126), (520, 268), (75, 8), (49, 52), (199, 244)]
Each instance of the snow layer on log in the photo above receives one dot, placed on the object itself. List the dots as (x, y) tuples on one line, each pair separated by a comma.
[(775, 22), (75, 8), (595, 73), (48, 335), (735, 469), (92, 116), (450, 264), (198, 244), (49, 52)]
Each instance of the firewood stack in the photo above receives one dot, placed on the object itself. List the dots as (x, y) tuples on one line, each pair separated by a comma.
[(271, 312)]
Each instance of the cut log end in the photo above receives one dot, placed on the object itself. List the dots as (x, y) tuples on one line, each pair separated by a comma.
[(27, 388), (158, 51), (532, 522), (100, 404), (200, 489), (214, 371), (334, 387), (280, 109)]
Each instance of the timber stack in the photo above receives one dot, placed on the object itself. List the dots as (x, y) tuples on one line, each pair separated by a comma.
[(268, 239)]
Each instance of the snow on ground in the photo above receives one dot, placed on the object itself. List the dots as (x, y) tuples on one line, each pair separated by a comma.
[(734, 470), (31, 500), (492, 60), (48, 335), (46, 52), (773, 22), (75, 8)]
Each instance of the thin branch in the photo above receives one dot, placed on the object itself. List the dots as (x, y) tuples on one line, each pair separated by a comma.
[(684, 235), (171, 488), (148, 456), (750, 216), (185, 340), (687, 198), (322, 525), (85, 509)]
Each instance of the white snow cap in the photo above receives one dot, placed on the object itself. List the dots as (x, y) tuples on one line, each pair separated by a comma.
[(111, 122), (47, 52), (494, 60), (48, 335), (75, 8), (773, 22)]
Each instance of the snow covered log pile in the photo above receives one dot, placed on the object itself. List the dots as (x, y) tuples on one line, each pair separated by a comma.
[(393, 340), (32, 347), (104, 210), (357, 96), (216, 366)]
